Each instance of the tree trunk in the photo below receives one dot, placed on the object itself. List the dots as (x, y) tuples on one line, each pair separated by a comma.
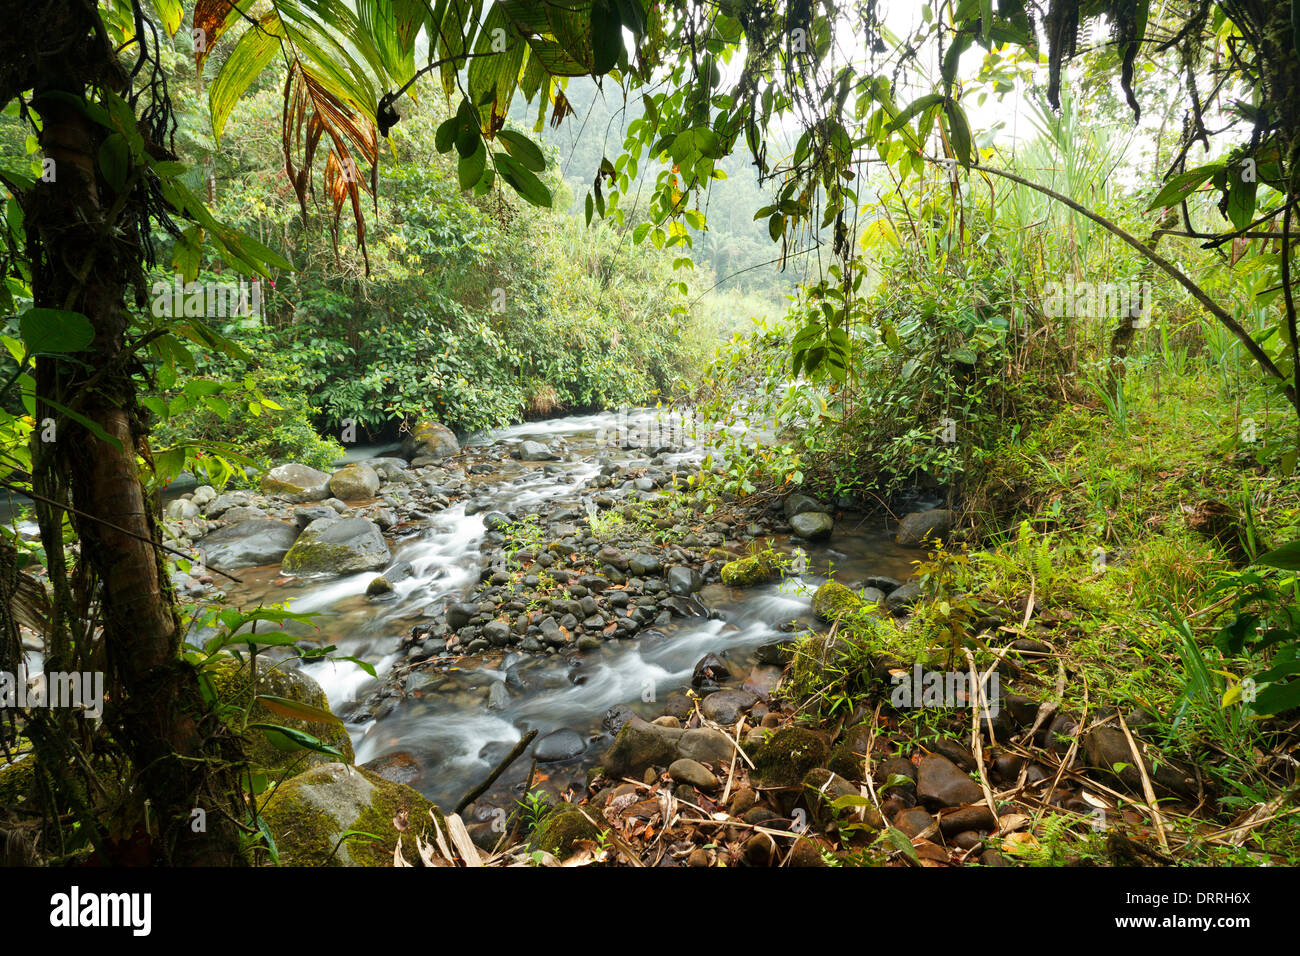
[(84, 262)]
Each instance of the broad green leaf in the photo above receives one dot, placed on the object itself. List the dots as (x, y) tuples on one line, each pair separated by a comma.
[(289, 739), (1182, 185), (470, 168), (170, 13), (115, 161), (522, 180), (606, 36), (523, 149), (54, 331), (245, 64), (1286, 557), (297, 710)]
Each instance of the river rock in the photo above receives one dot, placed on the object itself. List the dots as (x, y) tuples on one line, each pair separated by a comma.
[(833, 600), (643, 565), (872, 596), (232, 680), (778, 653), (685, 770), (354, 481), (710, 670), (786, 756), (559, 745), (181, 510), (939, 783), (498, 697), (1106, 747), (975, 817), (389, 469), (309, 814), (224, 502), (727, 706), (240, 513), (684, 580), (400, 766), (429, 440), (798, 504), (919, 525), (296, 482), (640, 745), (913, 822), (379, 587), (813, 525), (821, 788), (496, 521), (536, 451), (248, 544), (497, 633), (339, 546), (616, 717), (903, 597), (706, 745), (881, 582)]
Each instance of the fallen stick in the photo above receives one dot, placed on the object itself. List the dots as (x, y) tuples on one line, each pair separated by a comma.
[(500, 768), (1147, 789)]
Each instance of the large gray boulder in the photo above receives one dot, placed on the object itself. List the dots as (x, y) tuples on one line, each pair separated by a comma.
[(248, 544), (313, 815), (919, 525), (352, 482), (429, 440), (338, 546), (798, 504), (812, 525), (296, 483), (536, 451)]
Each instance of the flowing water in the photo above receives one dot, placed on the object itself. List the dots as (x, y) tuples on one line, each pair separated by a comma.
[(443, 720)]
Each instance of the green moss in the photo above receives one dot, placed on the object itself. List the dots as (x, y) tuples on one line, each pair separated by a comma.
[(833, 600), (311, 557), (17, 781), (230, 679), (561, 830), (746, 572), (310, 813), (274, 486), (784, 759)]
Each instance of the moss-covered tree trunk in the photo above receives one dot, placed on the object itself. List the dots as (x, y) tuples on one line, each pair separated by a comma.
[(82, 260)]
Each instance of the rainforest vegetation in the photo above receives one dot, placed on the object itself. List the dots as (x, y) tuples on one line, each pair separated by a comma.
[(616, 433)]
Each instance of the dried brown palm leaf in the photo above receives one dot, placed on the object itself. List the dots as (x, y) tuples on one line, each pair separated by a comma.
[(311, 112)]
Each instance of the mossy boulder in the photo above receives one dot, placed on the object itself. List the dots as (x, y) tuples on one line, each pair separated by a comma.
[(355, 481), (785, 758), (338, 546), (309, 814), (640, 745), (746, 572), (821, 788), (429, 440), (561, 831), (230, 679), (818, 659), (833, 600)]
